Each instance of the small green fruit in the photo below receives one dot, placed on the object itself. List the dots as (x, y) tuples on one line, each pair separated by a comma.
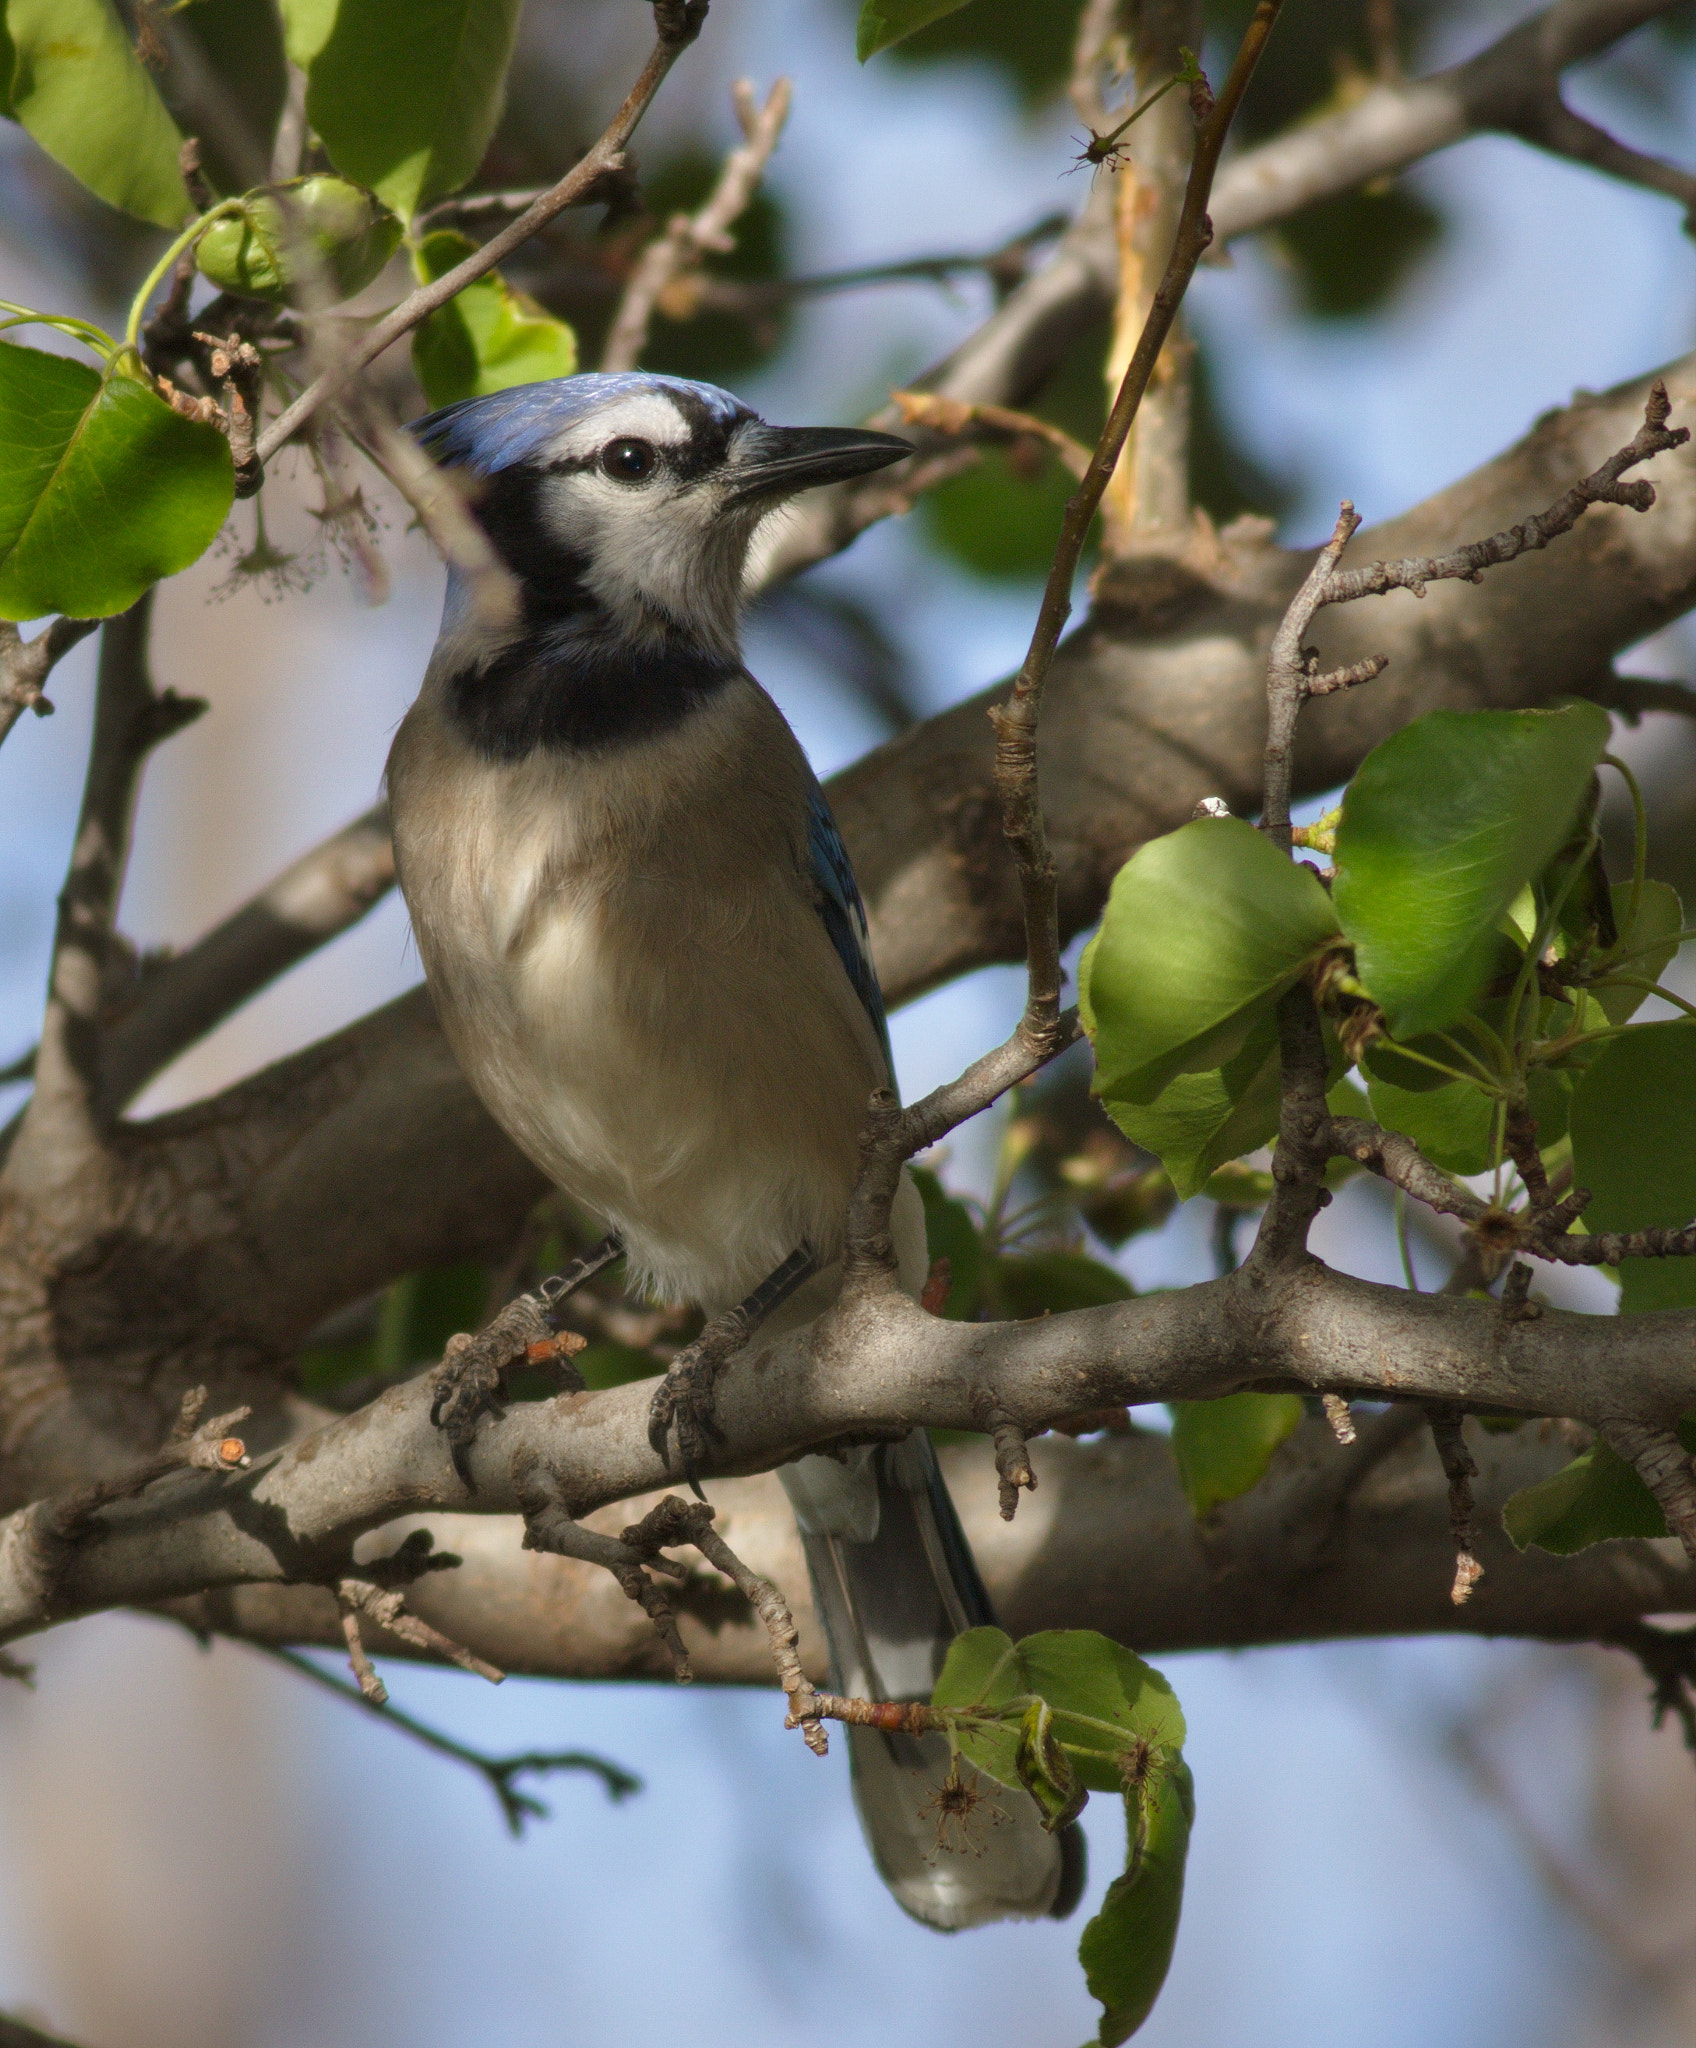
[(320, 233)]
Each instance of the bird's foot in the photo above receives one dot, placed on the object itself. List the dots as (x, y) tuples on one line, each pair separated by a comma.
[(684, 1398), (470, 1382)]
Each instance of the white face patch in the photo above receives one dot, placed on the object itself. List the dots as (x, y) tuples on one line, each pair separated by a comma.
[(664, 550)]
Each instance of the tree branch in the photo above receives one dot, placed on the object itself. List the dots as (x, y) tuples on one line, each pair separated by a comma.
[(25, 666), (874, 1361), (1007, 359), (311, 902), (61, 1133)]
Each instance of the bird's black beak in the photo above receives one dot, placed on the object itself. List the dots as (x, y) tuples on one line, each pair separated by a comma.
[(776, 462)]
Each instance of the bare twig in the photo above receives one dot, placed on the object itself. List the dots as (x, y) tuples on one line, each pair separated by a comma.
[(1017, 721), (438, 497), (677, 22), (1460, 1470), (994, 422), (1006, 360), (1341, 1421), (25, 666), (1012, 1451), (498, 1772), (1006, 266), (1293, 672), (689, 238), (361, 1598), (1392, 126)]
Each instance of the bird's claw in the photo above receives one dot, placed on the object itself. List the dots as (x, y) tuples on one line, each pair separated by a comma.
[(471, 1379), (685, 1398)]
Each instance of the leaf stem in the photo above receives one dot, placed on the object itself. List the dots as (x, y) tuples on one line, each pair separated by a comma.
[(156, 276)]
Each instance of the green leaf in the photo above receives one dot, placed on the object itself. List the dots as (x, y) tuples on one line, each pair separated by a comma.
[(1049, 1283), (404, 94), (1454, 1126), (1126, 1949), (348, 237), (79, 88), (1633, 1125), (1204, 930), (1078, 1672), (1223, 1447), (103, 488), (1198, 1122), (1660, 918), (487, 338), (883, 22), (1081, 1672), (1444, 824), (1596, 1498), (951, 1234), (1634, 1129)]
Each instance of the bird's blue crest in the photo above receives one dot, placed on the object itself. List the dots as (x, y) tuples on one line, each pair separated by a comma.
[(507, 427)]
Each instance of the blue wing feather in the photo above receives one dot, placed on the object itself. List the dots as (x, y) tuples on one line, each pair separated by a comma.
[(843, 912)]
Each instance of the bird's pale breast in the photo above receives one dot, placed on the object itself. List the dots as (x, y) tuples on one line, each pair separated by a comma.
[(627, 958)]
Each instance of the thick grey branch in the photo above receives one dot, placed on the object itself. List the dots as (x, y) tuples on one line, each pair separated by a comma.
[(1321, 1548), (874, 1361), (310, 903)]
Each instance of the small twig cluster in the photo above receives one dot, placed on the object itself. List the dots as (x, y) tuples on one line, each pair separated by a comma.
[(670, 263), (376, 1593), (1310, 1136)]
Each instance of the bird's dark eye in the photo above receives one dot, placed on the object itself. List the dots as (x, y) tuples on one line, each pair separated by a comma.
[(628, 461)]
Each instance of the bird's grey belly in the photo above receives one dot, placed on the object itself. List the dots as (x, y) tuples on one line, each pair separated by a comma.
[(702, 1096)]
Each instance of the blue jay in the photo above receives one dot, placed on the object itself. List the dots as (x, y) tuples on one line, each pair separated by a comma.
[(647, 950)]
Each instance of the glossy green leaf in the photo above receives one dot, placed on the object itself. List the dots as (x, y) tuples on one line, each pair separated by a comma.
[(1660, 918), (1454, 1126), (404, 94), (1596, 1498), (1223, 1447), (1079, 1673), (1633, 1126), (1442, 827), (883, 22), (1049, 1283), (79, 88), (103, 488), (1199, 1122), (347, 235), (951, 1233), (487, 338), (1634, 1129), (1126, 1949), (1204, 930)]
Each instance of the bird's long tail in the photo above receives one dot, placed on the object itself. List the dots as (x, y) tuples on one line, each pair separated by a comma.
[(893, 1584)]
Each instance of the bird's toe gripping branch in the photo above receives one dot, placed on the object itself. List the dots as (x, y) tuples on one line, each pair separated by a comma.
[(684, 1398), (470, 1382)]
